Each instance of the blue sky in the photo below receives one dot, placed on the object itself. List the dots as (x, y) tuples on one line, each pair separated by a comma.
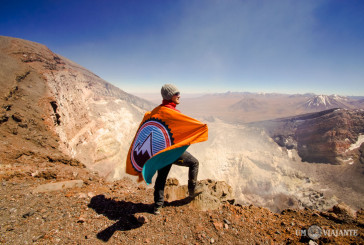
[(287, 46)]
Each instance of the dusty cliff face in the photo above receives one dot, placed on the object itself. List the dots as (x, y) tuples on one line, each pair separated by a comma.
[(90, 120), (329, 138), (26, 112), (332, 136)]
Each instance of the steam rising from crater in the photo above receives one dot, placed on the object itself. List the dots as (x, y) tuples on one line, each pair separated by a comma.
[(265, 174)]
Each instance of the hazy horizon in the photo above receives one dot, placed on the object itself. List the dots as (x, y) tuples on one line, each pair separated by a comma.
[(157, 96)]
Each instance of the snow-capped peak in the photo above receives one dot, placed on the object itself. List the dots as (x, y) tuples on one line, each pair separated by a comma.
[(325, 102)]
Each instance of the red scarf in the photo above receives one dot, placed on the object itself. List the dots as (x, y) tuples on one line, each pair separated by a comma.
[(169, 104)]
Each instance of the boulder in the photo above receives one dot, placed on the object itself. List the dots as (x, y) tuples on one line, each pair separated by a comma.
[(341, 213), (57, 186), (213, 194), (345, 211)]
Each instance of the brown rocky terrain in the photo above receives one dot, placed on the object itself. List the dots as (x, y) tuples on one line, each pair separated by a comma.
[(328, 138), (331, 136), (49, 202), (52, 103)]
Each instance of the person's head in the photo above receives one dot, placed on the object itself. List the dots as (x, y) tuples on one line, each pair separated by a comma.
[(170, 93)]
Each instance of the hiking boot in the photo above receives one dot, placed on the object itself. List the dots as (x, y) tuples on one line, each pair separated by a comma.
[(192, 193), (157, 209)]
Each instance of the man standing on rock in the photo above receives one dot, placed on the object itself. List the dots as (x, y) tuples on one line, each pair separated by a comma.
[(171, 95), (161, 140)]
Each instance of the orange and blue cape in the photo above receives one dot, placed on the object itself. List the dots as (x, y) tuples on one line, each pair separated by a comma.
[(162, 137)]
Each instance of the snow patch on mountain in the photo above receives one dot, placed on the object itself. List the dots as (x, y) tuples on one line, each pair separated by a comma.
[(323, 102), (357, 144)]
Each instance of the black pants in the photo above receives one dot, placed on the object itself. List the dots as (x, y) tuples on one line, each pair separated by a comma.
[(187, 160)]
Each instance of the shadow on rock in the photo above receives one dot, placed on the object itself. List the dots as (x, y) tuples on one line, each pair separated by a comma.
[(180, 202), (121, 211)]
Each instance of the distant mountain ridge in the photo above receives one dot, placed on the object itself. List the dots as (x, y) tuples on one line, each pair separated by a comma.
[(324, 102), (248, 104), (243, 107)]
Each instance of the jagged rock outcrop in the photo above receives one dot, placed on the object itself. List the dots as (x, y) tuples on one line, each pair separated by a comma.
[(24, 109), (213, 193), (361, 150), (58, 103), (331, 136)]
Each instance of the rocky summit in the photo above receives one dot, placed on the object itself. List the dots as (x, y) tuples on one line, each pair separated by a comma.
[(50, 103), (64, 132), (46, 202)]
